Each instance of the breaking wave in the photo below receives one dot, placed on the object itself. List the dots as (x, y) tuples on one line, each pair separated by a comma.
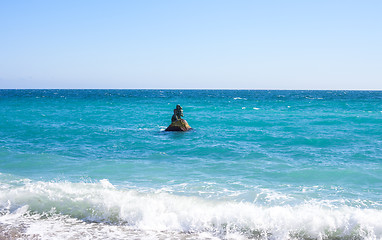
[(81, 206)]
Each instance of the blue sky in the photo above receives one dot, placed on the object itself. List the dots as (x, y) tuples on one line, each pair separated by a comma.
[(191, 44)]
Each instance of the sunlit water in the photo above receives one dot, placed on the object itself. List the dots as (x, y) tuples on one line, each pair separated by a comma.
[(257, 164)]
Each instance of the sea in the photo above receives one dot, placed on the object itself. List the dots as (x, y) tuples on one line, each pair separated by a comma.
[(257, 164)]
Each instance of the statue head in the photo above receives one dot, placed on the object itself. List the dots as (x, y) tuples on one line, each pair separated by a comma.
[(178, 111)]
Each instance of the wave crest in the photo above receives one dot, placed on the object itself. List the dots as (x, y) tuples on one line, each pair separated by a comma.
[(103, 203)]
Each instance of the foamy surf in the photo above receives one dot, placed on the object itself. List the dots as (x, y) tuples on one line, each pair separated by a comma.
[(62, 210)]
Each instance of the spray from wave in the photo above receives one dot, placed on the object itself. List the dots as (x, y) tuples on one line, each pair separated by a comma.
[(56, 209)]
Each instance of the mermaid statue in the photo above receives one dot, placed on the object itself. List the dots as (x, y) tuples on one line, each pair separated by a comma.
[(177, 123)]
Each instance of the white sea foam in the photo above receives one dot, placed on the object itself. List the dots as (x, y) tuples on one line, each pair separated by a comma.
[(63, 210)]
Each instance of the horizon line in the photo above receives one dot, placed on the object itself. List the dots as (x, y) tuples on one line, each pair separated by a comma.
[(228, 89)]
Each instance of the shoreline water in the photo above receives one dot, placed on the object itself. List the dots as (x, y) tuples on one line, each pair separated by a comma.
[(100, 209)]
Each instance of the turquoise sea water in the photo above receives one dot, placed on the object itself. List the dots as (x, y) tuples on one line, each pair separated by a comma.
[(257, 164)]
